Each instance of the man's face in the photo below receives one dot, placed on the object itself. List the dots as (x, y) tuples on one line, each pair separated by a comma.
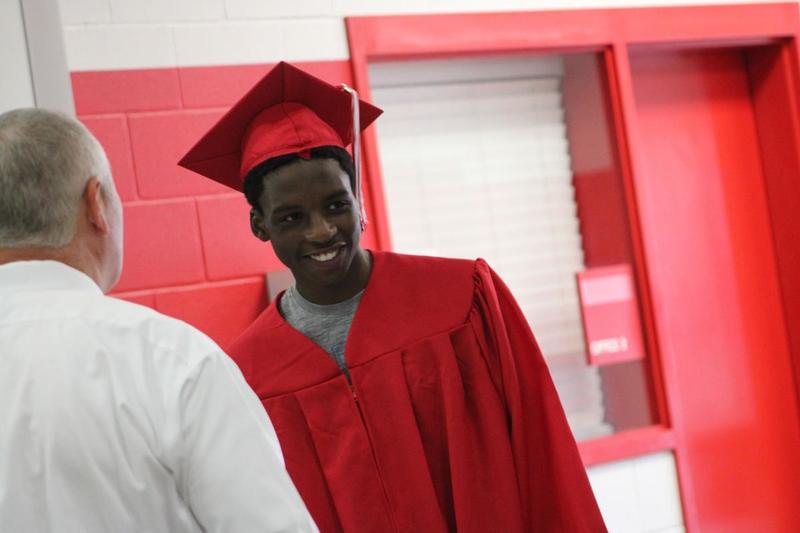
[(309, 213)]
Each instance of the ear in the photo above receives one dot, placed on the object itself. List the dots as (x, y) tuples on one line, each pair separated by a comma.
[(95, 203), (257, 225)]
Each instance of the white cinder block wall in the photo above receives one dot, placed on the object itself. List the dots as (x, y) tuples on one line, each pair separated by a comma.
[(639, 495), (126, 34)]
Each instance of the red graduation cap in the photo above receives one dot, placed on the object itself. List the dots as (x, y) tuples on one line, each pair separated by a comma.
[(288, 111)]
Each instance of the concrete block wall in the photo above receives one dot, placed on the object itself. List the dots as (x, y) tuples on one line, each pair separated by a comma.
[(188, 248)]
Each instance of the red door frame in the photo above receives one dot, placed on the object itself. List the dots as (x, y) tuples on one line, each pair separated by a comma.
[(612, 33)]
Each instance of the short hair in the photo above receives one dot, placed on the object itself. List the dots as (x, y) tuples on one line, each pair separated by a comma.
[(46, 159), (254, 181)]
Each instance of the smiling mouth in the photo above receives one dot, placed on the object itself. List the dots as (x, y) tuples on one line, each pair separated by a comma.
[(327, 255)]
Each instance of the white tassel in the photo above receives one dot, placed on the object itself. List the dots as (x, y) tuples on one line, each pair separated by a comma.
[(359, 192)]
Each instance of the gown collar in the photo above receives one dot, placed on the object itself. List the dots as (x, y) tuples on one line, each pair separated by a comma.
[(406, 299)]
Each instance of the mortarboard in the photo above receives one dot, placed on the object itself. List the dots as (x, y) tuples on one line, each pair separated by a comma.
[(288, 111)]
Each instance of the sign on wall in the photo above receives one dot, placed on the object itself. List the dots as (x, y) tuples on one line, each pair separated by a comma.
[(610, 314)]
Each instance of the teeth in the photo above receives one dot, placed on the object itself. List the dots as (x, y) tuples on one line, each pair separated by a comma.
[(327, 256)]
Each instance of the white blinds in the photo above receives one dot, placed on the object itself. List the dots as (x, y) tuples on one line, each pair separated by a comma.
[(475, 163)]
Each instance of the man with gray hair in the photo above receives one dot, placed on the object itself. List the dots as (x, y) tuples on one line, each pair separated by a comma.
[(114, 417)]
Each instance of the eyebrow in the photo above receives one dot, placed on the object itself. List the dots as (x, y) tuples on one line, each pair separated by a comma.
[(283, 208), (292, 207), (340, 192)]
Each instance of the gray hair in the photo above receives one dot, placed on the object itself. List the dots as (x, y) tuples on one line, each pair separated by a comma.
[(46, 159)]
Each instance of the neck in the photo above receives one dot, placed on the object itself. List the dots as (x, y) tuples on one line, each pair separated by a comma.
[(9, 255), (70, 255)]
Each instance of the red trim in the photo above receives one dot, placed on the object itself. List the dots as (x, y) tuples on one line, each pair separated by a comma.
[(394, 37), (779, 135), (377, 211), (626, 444), (666, 396), (622, 108), (788, 253)]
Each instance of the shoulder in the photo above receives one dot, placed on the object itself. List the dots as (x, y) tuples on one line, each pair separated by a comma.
[(436, 291), (428, 270), (152, 332)]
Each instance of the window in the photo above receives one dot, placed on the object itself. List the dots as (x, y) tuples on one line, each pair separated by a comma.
[(476, 162)]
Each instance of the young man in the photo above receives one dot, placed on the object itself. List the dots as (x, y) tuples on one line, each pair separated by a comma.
[(114, 417), (408, 393)]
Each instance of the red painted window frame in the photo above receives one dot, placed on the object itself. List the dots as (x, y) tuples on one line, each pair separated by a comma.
[(611, 33)]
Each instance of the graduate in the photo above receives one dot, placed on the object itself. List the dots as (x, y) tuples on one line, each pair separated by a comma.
[(408, 393)]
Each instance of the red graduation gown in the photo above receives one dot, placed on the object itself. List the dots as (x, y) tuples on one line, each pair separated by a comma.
[(452, 422)]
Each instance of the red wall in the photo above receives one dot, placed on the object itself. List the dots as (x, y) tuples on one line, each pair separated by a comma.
[(189, 252)]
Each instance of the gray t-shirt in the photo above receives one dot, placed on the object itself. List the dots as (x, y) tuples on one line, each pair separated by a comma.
[(326, 325)]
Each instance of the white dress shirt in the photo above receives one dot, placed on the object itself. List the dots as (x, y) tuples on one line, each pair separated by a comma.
[(116, 419)]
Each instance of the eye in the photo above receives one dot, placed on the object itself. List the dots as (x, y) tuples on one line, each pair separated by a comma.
[(338, 205), (289, 218)]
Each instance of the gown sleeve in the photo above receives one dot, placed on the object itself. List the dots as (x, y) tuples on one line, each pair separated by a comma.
[(554, 489)]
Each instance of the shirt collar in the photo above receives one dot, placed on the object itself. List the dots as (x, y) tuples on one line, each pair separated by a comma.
[(320, 309), (44, 275)]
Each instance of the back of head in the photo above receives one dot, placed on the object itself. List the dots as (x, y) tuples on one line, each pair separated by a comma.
[(46, 159)]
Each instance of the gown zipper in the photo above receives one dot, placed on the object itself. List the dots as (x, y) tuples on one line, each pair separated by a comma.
[(357, 403)]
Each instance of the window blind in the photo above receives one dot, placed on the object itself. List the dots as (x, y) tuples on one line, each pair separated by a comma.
[(475, 163)]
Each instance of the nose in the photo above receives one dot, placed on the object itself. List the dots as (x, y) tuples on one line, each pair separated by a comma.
[(320, 229)]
